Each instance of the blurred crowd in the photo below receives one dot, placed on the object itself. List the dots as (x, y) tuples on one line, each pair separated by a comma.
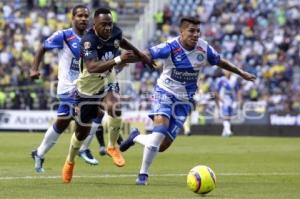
[(24, 25), (261, 36)]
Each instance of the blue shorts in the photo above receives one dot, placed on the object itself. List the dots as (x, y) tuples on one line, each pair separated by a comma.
[(227, 111), (66, 105), (176, 110)]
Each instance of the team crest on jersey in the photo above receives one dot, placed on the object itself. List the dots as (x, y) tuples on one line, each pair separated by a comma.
[(87, 45), (117, 43), (200, 57)]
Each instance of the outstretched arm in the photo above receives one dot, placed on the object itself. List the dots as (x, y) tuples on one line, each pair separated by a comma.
[(34, 72), (227, 65), (144, 58)]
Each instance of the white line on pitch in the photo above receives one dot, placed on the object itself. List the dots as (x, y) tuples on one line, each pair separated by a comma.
[(134, 175)]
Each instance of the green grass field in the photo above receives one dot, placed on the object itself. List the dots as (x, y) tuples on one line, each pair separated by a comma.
[(246, 167)]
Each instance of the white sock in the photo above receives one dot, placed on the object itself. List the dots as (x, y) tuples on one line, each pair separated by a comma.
[(226, 125), (88, 140), (48, 141), (150, 150), (142, 139)]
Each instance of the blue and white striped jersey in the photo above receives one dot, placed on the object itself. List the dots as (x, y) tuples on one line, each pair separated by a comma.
[(68, 44), (181, 67), (227, 89)]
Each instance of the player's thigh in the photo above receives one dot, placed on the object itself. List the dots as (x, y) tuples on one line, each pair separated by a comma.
[(159, 120), (112, 103), (82, 131)]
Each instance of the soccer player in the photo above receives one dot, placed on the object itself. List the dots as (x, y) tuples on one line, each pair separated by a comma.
[(173, 96), (68, 44), (100, 55), (227, 95)]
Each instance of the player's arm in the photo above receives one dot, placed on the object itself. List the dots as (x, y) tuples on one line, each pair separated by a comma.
[(55, 41), (34, 71), (94, 65), (227, 65), (125, 44), (214, 58)]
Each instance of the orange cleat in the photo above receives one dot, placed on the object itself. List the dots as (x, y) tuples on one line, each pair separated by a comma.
[(116, 155), (67, 172)]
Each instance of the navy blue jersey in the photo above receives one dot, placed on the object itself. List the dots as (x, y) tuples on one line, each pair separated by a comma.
[(95, 48)]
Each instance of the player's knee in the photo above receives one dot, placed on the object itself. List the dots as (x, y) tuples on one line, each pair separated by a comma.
[(165, 144), (61, 125), (162, 148), (82, 132)]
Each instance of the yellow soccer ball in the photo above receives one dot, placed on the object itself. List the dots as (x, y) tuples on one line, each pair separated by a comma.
[(201, 179)]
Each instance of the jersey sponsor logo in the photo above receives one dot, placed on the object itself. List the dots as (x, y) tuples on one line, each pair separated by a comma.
[(74, 64), (87, 45), (176, 50), (199, 48), (71, 37), (74, 45), (107, 56), (117, 43), (74, 69), (184, 75), (178, 58)]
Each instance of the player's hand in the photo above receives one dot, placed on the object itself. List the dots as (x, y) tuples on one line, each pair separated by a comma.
[(146, 60), (248, 76), (129, 57), (34, 74)]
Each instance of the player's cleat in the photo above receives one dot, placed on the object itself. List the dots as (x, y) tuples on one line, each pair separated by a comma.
[(88, 157), (116, 155), (67, 172), (126, 144), (142, 179), (38, 162), (102, 150)]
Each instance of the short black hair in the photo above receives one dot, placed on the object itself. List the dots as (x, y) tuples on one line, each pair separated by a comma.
[(101, 11), (74, 10), (192, 20)]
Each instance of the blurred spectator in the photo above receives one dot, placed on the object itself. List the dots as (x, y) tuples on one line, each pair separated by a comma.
[(261, 36)]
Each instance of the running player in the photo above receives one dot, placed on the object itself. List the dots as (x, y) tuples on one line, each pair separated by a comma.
[(183, 57), (97, 83), (68, 44)]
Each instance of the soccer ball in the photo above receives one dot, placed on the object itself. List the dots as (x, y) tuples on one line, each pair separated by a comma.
[(201, 179)]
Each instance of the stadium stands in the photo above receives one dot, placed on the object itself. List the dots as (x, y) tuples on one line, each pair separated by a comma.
[(262, 36)]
